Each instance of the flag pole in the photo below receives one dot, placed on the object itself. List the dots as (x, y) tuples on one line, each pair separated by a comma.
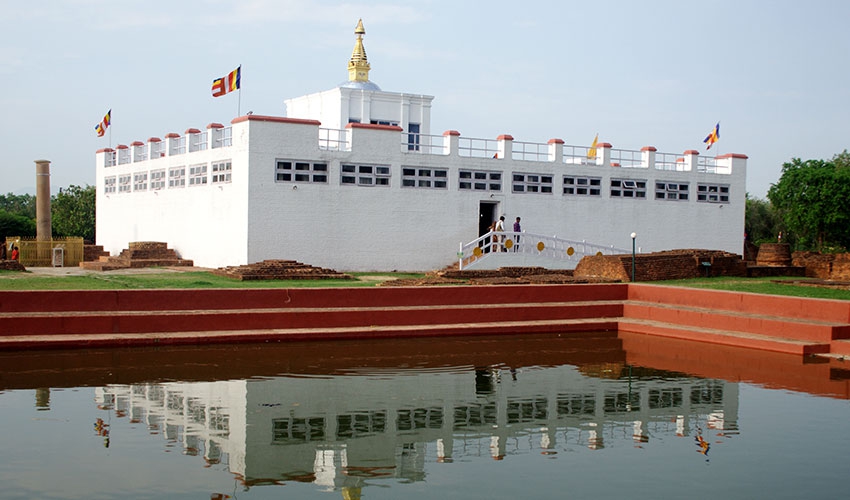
[(239, 100)]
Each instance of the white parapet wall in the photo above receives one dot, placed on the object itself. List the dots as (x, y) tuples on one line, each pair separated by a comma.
[(378, 198)]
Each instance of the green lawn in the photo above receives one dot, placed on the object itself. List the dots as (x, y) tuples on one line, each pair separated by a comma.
[(10, 280)]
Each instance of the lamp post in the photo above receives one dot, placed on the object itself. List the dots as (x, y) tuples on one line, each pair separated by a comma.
[(634, 235)]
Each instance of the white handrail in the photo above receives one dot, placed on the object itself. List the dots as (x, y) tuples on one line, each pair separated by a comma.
[(520, 243)]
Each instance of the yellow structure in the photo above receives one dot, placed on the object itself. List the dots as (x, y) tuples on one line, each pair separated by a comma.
[(358, 66)]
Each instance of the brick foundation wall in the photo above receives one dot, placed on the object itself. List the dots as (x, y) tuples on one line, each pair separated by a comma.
[(676, 264), (824, 266)]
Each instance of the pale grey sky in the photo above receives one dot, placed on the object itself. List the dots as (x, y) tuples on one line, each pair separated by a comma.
[(654, 73)]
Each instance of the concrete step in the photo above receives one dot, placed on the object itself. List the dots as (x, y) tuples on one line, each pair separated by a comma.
[(723, 337), (58, 341), (746, 322), (120, 322)]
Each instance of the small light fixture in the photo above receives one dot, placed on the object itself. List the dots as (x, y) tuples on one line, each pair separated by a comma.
[(294, 187)]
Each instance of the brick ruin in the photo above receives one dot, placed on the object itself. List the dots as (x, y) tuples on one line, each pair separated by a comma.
[(835, 267), (279, 270), (139, 254), (667, 265)]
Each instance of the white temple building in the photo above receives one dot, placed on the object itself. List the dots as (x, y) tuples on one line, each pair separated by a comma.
[(353, 179)]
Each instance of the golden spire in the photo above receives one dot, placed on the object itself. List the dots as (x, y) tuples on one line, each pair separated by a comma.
[(358, 66)]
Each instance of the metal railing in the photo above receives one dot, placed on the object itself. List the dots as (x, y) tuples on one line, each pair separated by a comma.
[(59, 252), (332, 139), (477, 148), (424, 144), (514, 243)]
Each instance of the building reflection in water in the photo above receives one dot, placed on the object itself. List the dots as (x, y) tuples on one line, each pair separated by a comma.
[(345, 429)]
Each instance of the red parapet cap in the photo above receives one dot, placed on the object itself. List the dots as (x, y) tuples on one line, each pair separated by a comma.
[(505, 137), (154, 139), (105, 150), (215, 125), (122, 146), (192, 131), (691, 152), (172, 135), (274, 119), (137, 143), (648, 148), (451, 132), (374, 126), (556, 141), (734, 155), (604, 145)]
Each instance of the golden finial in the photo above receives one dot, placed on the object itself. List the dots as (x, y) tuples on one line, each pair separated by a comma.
[(358, 66)]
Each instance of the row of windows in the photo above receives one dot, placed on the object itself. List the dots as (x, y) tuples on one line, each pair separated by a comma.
[(175, 177), (419, 178)]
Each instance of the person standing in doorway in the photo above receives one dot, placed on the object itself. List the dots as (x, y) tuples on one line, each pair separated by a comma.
[(517, 229), (499, 239)]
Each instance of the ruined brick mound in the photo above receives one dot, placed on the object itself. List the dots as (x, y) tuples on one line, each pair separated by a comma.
[(501, 276), (139, 254), (666, 265), (774, 254), (11, 265), (93, 253), (279, 270)]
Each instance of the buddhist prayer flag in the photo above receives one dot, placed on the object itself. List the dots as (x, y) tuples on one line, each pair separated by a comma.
[(101, 127), (229, 83), (591, 153), (713, 137)]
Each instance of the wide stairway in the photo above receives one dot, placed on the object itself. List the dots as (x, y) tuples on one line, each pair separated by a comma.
[(63, 319)]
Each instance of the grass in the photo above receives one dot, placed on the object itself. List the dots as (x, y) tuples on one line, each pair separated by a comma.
[(10, 280), (765, 286)]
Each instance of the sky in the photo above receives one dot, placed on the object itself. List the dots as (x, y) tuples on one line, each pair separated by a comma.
[(655, 73)]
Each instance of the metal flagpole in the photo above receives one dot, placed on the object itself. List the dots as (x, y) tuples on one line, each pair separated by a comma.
[(239, 101)]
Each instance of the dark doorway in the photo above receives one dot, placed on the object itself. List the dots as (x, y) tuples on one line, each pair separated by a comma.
[(486, 216)]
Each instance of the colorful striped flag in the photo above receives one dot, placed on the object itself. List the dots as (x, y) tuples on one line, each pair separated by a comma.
[(229, 83), (713, 137), (101, 127)]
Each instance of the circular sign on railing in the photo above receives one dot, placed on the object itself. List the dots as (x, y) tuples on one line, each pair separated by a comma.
[(540, 246), (599, 254), (571, 251), (509, 244), (476, 251)]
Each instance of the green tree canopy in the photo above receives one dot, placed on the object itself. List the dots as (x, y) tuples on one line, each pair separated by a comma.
[(73, 212), (812, 198), (16, 225), (761, 222), (18, 204)]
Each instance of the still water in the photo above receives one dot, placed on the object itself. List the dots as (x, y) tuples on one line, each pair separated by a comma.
[(543, 416)]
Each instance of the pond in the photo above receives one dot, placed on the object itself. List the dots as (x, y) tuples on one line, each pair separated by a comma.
[(595, 415)]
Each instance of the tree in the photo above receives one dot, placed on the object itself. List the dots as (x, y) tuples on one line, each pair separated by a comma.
[(812, 198), (761, 221), (18, 204), (16, 225), (73, 212)]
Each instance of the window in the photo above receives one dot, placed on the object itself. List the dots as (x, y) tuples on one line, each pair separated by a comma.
[(531, 183), (383, 122), (628, 188), (582, 186), (671, 191), (140, 181), (157, 179), (365, 175), (197, 174), (221, 172), (480, 180), (301, 171), (109, 185), (124, 183), (177, 177), (713, 193), (413, 137), (433, 178)]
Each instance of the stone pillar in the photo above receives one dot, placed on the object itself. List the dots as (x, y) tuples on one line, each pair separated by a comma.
[(44, 232)]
